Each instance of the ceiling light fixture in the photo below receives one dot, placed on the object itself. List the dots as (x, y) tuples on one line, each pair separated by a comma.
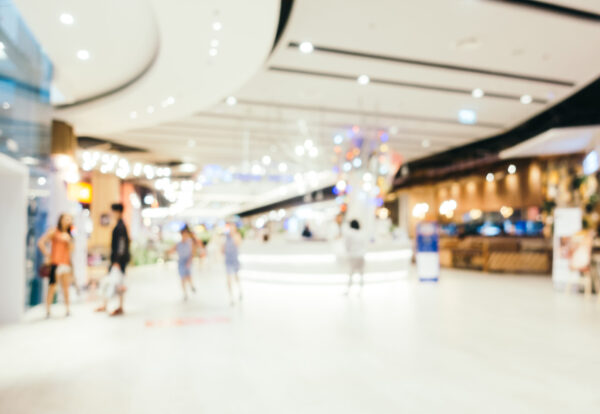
[(306, 47), (363, 80), (477, 93), (313, 152), (425, 143), (338, 139), (299, 150), (5, 105), (213, 51), (231, 100), (512, 168), (214, 43), (467, 116), (133, 115), (216, 26), (150, 109), (489, 177), (66, 18), (266, 160), (526, 99), (83, 54), (282, 167)]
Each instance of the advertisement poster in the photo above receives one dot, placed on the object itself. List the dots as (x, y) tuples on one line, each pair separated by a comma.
[(566, 246), (428, 257)]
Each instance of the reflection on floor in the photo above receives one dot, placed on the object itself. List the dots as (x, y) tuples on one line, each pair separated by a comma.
[(470, 344)]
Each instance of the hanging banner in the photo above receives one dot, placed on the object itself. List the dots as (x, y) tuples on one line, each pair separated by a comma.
[(428, 256), (567, 223)]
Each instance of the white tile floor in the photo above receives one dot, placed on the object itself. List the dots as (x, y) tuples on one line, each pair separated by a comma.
[(470, 344)]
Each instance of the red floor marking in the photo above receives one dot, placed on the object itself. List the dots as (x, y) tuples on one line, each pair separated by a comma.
[(162, 323)]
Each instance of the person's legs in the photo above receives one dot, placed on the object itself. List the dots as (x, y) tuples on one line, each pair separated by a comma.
[(239, 286), (51, 289), (230, 287), (65, 282), (183, 283), (120, 291)]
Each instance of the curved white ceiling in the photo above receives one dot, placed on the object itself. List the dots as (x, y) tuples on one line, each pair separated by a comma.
[(173, 37)]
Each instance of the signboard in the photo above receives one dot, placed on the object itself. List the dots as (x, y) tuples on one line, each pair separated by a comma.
[(428, 257), (567, 223)]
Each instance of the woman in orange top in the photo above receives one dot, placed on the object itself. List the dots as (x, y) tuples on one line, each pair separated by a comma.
[(59, 256)]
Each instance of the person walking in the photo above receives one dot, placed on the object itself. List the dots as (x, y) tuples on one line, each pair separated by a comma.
[(185, 252), (232, 262), (119, 258), (59, 257), (355, 249)]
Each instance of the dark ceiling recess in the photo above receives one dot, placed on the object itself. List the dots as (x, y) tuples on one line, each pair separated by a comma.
[(91, 142), (555, 8), (284, 14), (579, 110)]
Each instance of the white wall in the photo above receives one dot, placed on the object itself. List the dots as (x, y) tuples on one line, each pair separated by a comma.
[(13, 228)]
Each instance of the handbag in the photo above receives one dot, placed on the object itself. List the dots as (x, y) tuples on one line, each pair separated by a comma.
[(44, 270)]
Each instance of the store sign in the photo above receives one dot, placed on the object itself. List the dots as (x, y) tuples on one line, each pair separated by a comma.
[(567, 223), (81, 192), (428, 257)]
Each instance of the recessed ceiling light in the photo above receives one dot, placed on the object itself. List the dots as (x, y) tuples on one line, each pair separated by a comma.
[(266, 160), (512, 168), (83, 54), (306, 47), (425, 143), (363, 80), (489, 177), (150, 109), (231, 100), (5, 105), (217, 26), (338, 139), (467, 116), (308, 143), (191, 143), (477, 93), (133, 115), (66, 18), (213, 51), (526, 99), (299, 150), (214, 43), (313, 152), (282, 167), (41, 181)]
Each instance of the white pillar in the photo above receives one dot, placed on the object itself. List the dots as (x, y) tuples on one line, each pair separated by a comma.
[(14, 178)]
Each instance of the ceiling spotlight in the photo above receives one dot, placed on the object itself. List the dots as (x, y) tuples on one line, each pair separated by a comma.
[(425, 143), (213, 51), (338, 139), (308, 143), (41, 181), (357, 162), (489, 177), (133, 115), (231, 100), (214, 43), (477, 93), (266, 160), (191, 143), (168, 102), (150, 109), (216, 26), (83, 54), (512, 168), (363, 80), (347, 166), (313, 152), (306, 47), (299, 150), (282, 167), (66, 18), (467, 116), (526, 99), (5, 105)]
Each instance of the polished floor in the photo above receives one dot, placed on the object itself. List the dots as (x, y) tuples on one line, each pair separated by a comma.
[(472, 343)]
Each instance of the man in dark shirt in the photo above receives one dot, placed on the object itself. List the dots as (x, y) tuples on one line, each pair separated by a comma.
[(119, 256)]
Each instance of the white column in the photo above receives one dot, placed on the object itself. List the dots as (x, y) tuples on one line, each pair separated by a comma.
[(14, 178)]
